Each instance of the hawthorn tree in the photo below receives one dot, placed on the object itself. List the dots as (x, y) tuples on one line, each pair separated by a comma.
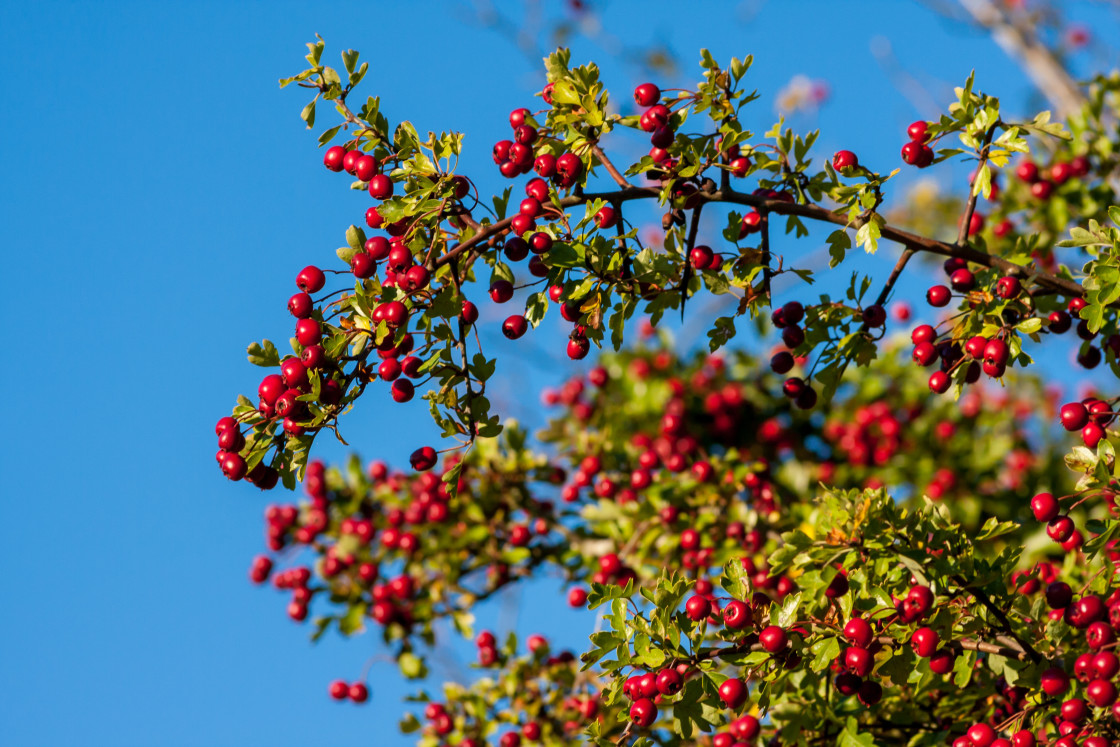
[(837, 545)]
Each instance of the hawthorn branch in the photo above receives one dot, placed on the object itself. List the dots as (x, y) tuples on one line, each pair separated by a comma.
[(896, 273), (764, 245), (904, 238), (970, 206), (461, 344), (999, 614), (690, 243), (963, 644), (619, 179)]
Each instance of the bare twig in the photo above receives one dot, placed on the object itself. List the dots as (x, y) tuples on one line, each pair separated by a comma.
[(619, 179)]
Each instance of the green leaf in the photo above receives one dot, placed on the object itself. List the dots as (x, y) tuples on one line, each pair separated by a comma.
[(355, 238), (825, 651), (963, 668), (983, 181), (354, 619), (993, 527), (788, 614), (736, 580), (852, 737), (308, 113), (264, 354), (868, 236)]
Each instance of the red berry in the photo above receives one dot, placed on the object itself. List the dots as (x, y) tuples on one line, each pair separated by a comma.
[(333, 158), (736, 614), (501, 291), (942, 661), (924, 641), (363, 265), (912, 153), (233, 466), (606, 217), (858, 631), (423, 459), (917, 131), (773, 639), (643, 712), (938, 296), (698, 608), (733, 693), (365, 167), (308, 332), (403, 390), (981, 735), (380, 187), (669, 682), (1054, 681), (515, 326), (300, 305), (844, 160), (1008, 287), (578, 348), (311, 279), (646, 94), (545, 165), (858, 661), (751, 223), (1044, 507), (1027, 171), (1074, 416)]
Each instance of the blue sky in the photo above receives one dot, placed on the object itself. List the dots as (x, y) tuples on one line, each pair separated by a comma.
[(158, 195)]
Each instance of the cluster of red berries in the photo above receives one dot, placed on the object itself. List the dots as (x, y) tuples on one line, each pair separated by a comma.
[(917, 152), (361, 165), (872, 437), (1059, 527), (977, 354), (656, 121), (990, 355), (441, 723), (356, 691), (1042, 183), (568, 716), (283, 396), (1090, 417), (532, 150), (721, 413), (649, 689), (788, 319)]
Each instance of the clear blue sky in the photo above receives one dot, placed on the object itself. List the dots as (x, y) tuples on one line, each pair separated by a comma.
[(157, 196)]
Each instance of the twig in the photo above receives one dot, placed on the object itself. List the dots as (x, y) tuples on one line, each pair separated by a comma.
[(764, 245), (690, 243), (999, 615), (619, 179), (973, 193), (899, 266)]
